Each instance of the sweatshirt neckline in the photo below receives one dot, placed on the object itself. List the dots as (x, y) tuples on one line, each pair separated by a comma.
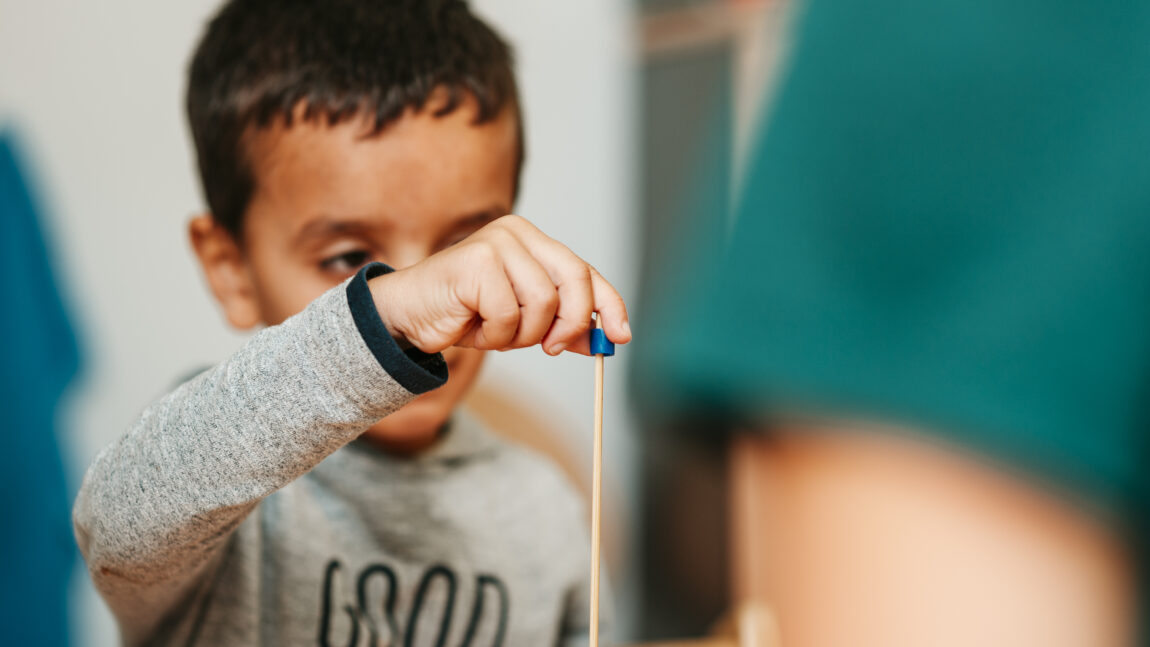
[(462, 437)]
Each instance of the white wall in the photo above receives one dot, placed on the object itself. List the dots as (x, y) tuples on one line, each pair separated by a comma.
[(95, 88)]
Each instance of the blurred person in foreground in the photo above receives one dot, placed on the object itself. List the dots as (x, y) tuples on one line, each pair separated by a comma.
[(931, 325), (321, 485), (41, 358)]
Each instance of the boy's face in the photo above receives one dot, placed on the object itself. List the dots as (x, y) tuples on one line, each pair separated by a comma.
[(329, 199)]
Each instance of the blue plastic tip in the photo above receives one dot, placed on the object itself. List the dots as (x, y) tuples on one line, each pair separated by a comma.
[(600, 345)]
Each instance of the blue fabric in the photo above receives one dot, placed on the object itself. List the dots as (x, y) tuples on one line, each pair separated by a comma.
[(949, 229), (39, 357), (946, 222)]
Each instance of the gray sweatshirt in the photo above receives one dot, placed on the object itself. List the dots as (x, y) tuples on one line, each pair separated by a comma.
[(241, 510)]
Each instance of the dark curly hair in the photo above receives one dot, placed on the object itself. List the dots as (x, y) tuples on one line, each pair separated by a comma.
[(261, 60)]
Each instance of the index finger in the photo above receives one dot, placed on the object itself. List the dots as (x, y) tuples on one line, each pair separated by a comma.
[(612, 312)]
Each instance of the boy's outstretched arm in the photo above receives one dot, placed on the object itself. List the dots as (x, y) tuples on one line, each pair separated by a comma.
[(156, 508)]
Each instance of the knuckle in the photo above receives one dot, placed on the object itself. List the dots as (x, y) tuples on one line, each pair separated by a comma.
[(512, 220), (550, 299), (483, 252), (505, 315), (497, 238), (502, 224), (546, 298)]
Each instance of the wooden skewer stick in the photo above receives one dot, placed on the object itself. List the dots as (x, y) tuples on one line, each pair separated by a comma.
[(597, 480), (596, 500)]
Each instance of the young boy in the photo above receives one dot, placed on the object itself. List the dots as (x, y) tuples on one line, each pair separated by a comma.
[(300, 493)]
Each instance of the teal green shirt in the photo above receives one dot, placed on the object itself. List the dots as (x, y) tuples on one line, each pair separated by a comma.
[(946, 224)]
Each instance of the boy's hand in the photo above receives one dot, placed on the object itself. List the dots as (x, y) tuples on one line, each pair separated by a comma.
[(506, 286)]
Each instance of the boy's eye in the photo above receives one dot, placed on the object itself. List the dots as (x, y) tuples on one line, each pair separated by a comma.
[(347, 262)]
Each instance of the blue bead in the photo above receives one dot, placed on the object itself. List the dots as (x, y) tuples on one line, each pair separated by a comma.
[(600, 345)]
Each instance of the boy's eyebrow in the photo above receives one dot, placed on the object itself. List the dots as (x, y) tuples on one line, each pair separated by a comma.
[(326, 225)]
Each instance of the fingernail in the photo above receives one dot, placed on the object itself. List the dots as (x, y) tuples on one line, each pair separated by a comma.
[(627, 327), (556, 348)]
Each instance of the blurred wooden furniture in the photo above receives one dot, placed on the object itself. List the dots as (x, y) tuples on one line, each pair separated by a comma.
[(751, 625)]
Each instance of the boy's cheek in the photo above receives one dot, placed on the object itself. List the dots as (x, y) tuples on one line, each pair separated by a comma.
[(282, 291)]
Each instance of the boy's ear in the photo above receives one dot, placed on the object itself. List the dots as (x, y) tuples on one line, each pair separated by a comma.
[(226, 270)]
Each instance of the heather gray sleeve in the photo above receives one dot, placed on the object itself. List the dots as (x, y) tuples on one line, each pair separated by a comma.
[(157, 506)]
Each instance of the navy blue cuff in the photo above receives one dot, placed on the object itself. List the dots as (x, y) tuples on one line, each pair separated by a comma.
[(414, 369)]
